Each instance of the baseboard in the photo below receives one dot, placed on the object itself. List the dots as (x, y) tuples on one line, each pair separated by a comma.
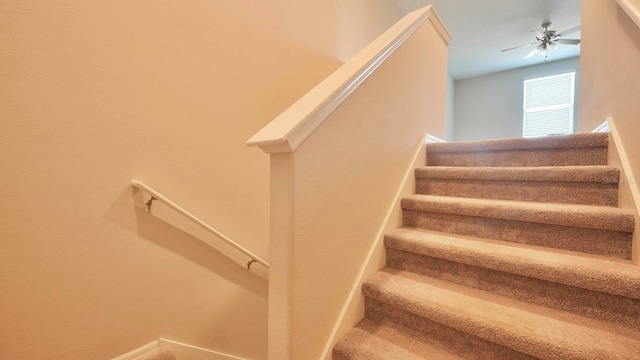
[(181, 351), (353, 309), (145, 352), (432, 139), (629, 192), (184, 351), (604, 127)]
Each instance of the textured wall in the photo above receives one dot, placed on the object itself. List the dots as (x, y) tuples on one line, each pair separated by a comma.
[(490, 106), (610, 87), (335, 28), (451, 102), (611, 69), (97, 93)]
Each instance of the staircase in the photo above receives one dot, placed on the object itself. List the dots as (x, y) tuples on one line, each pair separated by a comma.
[(511, 249), (165, 355)]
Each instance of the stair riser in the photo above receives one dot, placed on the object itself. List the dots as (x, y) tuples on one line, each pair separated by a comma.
[(455, 341), (597, 305), (585, 193), (372, 340), (591, 241), (538, 157)]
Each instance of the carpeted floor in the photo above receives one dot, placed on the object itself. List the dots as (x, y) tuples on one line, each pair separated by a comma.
[(511, 249), (166, 355)]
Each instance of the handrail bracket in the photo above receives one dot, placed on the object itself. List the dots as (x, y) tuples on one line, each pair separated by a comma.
[(250, 262), (149, 203)]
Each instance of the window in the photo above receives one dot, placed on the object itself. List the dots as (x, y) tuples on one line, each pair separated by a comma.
[(548, 105)]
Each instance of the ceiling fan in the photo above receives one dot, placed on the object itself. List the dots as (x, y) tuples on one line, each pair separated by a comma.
[(548, 39)]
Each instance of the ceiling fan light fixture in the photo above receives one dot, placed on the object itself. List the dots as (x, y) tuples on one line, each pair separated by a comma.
[(548, 40), (533, 52)]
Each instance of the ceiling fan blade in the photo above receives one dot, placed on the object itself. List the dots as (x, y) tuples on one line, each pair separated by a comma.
[(518, 47), (570, 31), (568, 41)]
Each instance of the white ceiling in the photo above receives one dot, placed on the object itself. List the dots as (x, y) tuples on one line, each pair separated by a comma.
[(481, 28)]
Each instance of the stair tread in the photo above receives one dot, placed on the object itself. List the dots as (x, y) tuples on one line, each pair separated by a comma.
[(600, 174), (166, 355), (371, 340), (547, 142), (528, 328), (587, 216), (592, 272)]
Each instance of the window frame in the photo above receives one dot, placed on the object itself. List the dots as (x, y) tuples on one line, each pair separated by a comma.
[(570, 106)]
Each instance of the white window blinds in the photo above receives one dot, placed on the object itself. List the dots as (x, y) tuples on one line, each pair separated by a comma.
[(548, 105)]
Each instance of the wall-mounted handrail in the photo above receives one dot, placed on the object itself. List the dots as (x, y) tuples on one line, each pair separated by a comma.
[(632, 8), (163, 199)]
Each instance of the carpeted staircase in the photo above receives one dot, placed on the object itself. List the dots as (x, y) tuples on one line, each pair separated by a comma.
[(511, 249), (165, 355)]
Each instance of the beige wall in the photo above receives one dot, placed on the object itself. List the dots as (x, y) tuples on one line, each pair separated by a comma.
[(335, 28), (490, 106), (97, 93), (611, 73), (333, 192), (451, 98), (359, 22)]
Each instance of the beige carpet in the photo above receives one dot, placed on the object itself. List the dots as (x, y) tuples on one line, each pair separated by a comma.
[(511, 249), (166, 355)]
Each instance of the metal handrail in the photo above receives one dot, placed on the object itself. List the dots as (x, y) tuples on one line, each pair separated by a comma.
[(163, 199)]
